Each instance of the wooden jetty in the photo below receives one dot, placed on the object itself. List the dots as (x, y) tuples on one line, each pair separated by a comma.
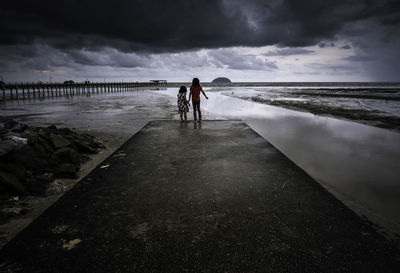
[(12, 91)]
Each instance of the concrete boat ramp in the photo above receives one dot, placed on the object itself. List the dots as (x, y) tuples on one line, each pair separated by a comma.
[(212, 198)]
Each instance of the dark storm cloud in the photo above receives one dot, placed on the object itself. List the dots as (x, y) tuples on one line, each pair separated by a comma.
[(173, 26), (108, 57)]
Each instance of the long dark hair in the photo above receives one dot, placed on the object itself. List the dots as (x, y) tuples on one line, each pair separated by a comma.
[(182, 89), (196, 82)]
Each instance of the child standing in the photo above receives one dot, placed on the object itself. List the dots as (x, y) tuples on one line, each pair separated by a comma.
[(183, 103), (195, 90)]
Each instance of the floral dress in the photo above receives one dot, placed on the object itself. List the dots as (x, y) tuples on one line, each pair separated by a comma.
[(182, 106)]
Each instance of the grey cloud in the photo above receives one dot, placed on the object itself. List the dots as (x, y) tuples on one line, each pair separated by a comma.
[(288, 52), (360, 58), (233, 60)]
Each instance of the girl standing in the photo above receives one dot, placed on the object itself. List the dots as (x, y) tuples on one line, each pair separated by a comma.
[(195, 90), (183, 103)]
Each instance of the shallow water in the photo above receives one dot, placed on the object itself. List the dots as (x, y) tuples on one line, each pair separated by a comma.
[(357, 163)]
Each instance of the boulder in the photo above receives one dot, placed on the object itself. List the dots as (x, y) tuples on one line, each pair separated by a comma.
[(64, 153), (19, 128), (59, 141), (84, 146), (31, 159), (36, 186), (66, 170), (11, 182), (6, 146), (15, 168), (47, 145)]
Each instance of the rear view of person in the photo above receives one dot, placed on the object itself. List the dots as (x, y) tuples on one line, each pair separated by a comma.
[(183, 103), (195, 90)]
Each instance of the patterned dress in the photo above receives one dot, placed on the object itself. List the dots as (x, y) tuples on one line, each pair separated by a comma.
[(182, 106)]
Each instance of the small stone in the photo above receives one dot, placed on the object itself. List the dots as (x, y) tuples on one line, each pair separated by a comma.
[(71, 244), (59, 229)]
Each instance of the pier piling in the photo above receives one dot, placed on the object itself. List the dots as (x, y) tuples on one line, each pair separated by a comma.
[(14, 91)]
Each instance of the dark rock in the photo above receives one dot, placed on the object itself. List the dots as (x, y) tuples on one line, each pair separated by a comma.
[(2, 127), (78, 158), (30, 158), (36, 186), (64, 153), (6, 146), (59, 141), (31, 135), (15, 168), (19, 127), (10, 123), (39, 150), (52, 128), (84, 146), (66, 170), (47, 145), (66, 131), (70, 155), (11, 182), (55, 160)]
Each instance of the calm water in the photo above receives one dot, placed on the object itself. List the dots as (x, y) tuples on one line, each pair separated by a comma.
[(357, 163)]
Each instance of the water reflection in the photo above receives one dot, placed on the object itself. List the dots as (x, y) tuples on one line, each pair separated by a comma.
[(356, 162)]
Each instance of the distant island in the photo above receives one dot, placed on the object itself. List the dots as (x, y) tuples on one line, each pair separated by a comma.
[(221, 80)]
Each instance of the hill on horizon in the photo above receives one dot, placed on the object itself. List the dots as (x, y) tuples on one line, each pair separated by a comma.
[(221, 80)]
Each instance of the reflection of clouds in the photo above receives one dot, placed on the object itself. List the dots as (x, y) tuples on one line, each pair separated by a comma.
[(356, 162)]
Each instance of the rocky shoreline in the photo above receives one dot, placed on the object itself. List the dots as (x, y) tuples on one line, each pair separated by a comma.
[(31, 158)]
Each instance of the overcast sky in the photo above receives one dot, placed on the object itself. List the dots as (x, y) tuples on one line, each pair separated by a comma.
[(176, 40)]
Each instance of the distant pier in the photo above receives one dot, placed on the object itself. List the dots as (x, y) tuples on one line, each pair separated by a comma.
[(13, 91)]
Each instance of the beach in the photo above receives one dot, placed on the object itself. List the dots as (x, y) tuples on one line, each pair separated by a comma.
[(355, 161)]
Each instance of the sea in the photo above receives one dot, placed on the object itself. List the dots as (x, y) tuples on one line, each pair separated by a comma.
[(345, 135)]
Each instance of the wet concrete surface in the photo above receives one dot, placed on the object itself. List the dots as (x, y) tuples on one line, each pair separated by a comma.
[(215, 197)]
